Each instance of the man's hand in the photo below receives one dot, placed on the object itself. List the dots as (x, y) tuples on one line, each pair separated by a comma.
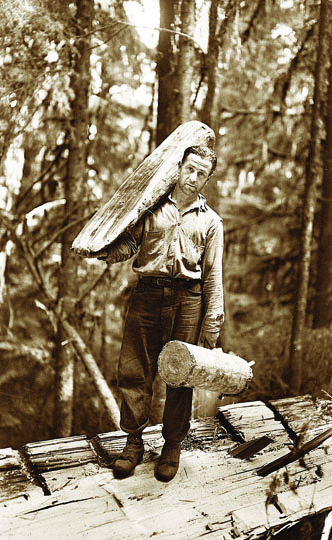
[(102, 255), (209, 339)]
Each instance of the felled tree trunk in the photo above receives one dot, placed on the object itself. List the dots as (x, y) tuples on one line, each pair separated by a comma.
[(183, 364)]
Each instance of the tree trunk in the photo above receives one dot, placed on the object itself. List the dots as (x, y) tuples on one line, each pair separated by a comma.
[(165, 70), (212, 64), (217, 33), (313, 174), (74, 190), (185, 63), (323, 301)]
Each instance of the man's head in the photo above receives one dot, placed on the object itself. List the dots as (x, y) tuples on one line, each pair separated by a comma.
[(204, 152), (195, 169)]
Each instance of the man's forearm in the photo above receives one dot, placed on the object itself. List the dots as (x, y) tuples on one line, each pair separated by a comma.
[(124, 247), (213, 305), (213, 294)]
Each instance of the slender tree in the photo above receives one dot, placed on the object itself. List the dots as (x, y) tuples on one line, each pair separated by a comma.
[(212, 64), (74, 186), (323, 300), (312, 176), (165, 71), (185, 63)]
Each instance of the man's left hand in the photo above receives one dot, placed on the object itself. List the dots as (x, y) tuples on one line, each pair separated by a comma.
[(209, 339)]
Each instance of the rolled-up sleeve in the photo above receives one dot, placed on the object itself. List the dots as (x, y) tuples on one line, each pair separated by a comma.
[(212, 278)]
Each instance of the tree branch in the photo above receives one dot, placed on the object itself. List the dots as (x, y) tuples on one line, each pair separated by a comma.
[(41, 178), (157, 28), (61, 231), (91, 286), (246, 33)]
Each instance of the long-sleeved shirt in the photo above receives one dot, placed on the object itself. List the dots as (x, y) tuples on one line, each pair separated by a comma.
[(169, 243)]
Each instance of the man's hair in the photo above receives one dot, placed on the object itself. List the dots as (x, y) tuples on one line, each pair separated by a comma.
[(202, 151)]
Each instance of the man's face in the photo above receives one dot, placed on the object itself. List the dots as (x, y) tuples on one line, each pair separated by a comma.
[(194, 174)]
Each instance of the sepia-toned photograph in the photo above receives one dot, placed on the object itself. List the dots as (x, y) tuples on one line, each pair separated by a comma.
[(166, 269)]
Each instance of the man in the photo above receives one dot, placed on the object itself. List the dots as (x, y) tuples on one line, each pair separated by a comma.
[(179, 296)]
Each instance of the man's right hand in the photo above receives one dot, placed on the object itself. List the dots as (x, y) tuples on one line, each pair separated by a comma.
[(102, 255)]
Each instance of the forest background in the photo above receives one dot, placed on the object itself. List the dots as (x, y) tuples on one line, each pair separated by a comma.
[(87, 91)]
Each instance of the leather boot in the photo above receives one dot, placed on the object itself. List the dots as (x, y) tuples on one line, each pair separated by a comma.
[(168, 463), (131, 455)]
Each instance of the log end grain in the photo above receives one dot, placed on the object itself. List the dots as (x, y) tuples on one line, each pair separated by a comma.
[(175, 364)]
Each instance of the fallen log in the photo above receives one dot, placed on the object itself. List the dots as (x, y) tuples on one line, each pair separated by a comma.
[(183, 364), (143, 188)]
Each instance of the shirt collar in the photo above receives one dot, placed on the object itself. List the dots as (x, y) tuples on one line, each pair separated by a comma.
[(199, 204)]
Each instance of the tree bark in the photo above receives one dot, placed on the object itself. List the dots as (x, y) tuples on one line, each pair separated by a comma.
[(212, 64), (185, 63), (74, 190), (217, 32), (165, 71), (323, 300), (313, 174)]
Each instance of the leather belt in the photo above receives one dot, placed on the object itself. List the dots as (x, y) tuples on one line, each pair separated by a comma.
[(173, 283)]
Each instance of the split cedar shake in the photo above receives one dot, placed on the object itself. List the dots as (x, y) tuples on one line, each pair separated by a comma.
[(65, 488), (183, 364), (143, 188)]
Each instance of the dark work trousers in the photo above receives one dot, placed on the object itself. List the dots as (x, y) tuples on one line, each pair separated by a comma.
[(155, 316)]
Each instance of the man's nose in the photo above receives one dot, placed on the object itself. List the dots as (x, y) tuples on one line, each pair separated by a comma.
[(193, 176)]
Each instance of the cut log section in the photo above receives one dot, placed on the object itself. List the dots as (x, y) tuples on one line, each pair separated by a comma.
[(143, 188), (183, 364)]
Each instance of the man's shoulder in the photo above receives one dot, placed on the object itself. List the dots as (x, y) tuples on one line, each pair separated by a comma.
[(212, 214)]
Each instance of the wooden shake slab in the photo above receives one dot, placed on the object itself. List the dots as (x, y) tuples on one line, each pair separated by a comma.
[(143, 188), (16, 484), (60, 453)]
